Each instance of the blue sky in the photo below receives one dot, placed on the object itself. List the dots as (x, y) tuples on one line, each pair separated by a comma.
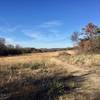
[(45, 23)]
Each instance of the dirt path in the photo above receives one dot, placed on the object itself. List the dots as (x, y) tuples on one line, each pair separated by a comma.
[(91, 86), (70, 68)]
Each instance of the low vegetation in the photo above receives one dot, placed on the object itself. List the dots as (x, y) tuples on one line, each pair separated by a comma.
[(47, 79), (21, 80), (81, 59)]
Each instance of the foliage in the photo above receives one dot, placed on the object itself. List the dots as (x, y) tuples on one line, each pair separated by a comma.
[(88, 39), (90, 31), (9, 49)]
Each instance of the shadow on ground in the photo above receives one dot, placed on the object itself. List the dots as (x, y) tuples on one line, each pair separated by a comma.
[(45, 88)]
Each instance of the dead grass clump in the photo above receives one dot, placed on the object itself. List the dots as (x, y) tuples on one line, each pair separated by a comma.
[(82, 59)]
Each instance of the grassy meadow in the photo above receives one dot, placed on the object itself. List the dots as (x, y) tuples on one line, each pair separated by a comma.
[(50, 76)]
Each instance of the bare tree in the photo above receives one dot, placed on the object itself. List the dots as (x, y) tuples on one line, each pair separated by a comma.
[(2, 43), (75, 37)]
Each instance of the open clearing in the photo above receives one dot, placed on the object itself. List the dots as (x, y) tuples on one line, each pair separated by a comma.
[(50, 76)]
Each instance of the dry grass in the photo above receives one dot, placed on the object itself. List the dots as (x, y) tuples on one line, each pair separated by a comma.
[(82, 59), (50, 76), (27, 58)]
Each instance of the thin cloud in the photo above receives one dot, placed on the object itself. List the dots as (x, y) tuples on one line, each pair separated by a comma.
[(33, 35), (9, 30), (40, 34), (45, 30), (5, 27), (48, 32), (50, 24)]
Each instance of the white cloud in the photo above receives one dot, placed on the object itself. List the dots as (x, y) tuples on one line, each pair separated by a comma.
[(45, 30), (40, 31), (34, 35), (31, 33), (47, 34), (50, 24), (9, 30), (38, 36)]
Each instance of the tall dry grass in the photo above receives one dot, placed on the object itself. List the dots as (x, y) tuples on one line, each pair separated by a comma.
[(81, 59)]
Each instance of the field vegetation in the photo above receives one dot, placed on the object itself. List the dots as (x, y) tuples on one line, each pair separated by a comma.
[(50, 76)]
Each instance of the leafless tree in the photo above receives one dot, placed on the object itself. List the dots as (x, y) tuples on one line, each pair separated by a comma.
[(75, 38), (2, 43)]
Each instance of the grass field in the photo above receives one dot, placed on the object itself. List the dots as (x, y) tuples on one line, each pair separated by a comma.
[(50, 76)]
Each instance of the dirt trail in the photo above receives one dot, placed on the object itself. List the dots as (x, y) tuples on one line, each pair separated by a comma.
[(91, 86), (70, 68)]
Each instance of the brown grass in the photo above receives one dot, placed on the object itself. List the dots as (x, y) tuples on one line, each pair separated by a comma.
[(50, 76), (27, 58)]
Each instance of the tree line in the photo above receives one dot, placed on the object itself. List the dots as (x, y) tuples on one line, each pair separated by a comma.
[(9, 49), (88, 39)]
